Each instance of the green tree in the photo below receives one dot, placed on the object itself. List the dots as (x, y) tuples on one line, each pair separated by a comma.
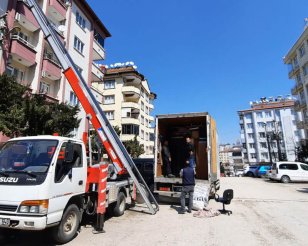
[(12, 112), (134, 148), (26, 114)]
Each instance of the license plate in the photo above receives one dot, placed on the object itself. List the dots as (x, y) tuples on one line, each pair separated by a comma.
[(4, 222)]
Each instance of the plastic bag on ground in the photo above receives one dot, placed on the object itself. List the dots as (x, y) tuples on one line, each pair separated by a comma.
[(201, 196)]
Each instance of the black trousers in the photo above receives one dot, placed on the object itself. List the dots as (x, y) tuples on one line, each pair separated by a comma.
[(166, 167)]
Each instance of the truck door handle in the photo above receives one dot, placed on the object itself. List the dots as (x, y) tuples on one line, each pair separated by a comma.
[(80, 182)]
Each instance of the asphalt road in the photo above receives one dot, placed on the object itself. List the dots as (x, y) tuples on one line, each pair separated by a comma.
[(264, 213)]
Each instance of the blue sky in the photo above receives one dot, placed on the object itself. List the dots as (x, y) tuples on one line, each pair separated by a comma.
[(202, 55)]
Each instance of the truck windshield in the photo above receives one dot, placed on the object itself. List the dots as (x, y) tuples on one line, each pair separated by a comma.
[(27, 156)]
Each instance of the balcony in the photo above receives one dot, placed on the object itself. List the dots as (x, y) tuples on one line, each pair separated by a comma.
[(130, 120), (151, 118), (97, 74), (22, 51), (131, 105), (57, 9), (51, 68), (151, 106), (131, 92), (25, 17), (297, 89), (98, 51), (293, 71), (127, 137)]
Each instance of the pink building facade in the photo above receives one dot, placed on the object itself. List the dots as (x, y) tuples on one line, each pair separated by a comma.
[(27, 56)]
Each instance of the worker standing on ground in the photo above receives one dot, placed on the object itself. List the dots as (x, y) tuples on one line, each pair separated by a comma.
[(188, 181), (166, 156)]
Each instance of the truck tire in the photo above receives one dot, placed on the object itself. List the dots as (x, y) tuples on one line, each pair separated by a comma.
[(69, 225), (120, 205), (285, 179)]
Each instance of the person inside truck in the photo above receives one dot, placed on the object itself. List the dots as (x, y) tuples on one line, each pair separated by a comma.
[(190, 152), (166, 156)]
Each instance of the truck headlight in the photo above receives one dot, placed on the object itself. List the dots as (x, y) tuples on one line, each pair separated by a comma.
[(34, 206)]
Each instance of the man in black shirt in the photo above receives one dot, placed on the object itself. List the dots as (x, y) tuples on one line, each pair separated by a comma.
[(188, 181), (166, 156), (190, 153)]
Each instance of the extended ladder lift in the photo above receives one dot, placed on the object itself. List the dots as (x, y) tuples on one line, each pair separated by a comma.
[(122, 161)]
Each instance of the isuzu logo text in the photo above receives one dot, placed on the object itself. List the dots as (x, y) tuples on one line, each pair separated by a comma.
[(8, 180)]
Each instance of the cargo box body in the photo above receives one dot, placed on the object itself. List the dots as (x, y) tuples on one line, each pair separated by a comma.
[(174, 128)]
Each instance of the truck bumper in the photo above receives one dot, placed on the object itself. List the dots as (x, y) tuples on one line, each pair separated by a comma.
[(23, 222)]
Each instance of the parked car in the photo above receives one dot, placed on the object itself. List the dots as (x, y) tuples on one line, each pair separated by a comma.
[(261, 170), (239, 173), (251, 171), (286, 171)]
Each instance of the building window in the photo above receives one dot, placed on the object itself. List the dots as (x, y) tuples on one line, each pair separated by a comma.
[(44, 88), (264, 155), (130, 129), (248, 116), (260, 124), (152, 137), (99, 39), (252, 145), (109, 99), (147, 110), (262, 134), (268, 114), (142, 106), (109, 115), (14, 72), (259, 115), (78, 45), (263, 145), (147, 136), (298, 78), (142, 120), (249, 125), (80, 20), (305, 70), (146, 122), (250, 135), (142, 92), (253, 156), (302, 50), (73, 99), (142, 134), (109, 84)]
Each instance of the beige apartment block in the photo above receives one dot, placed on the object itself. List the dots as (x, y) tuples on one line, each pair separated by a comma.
[(27, 56), (297, 61), (127, 102)]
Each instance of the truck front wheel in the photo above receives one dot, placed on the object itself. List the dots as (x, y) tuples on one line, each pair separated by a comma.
[(69, 225), (120, 205)]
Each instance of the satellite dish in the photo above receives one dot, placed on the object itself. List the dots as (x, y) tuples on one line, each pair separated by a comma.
[(62, 28)]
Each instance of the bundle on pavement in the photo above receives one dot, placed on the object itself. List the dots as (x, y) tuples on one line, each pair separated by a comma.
[(206, 213), (201, 196)]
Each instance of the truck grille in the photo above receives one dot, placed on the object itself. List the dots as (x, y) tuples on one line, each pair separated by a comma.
[(8, 208)]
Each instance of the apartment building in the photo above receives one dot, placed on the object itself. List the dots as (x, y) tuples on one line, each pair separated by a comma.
[(27, 56), (269, 130), (297, 61), (231, 155), (128, 101)]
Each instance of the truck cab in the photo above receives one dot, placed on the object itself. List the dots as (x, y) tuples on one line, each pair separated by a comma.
[(39, 176)]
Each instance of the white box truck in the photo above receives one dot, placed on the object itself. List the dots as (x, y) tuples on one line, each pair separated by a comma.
[(174, 128)]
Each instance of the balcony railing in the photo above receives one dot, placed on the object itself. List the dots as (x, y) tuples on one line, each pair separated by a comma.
[(293, 70), (51, 57), (27, 43)]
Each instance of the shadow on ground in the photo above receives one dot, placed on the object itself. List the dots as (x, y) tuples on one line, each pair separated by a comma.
[(303, 190)]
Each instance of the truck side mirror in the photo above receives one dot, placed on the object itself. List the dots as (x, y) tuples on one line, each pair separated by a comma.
[(69, 153)]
